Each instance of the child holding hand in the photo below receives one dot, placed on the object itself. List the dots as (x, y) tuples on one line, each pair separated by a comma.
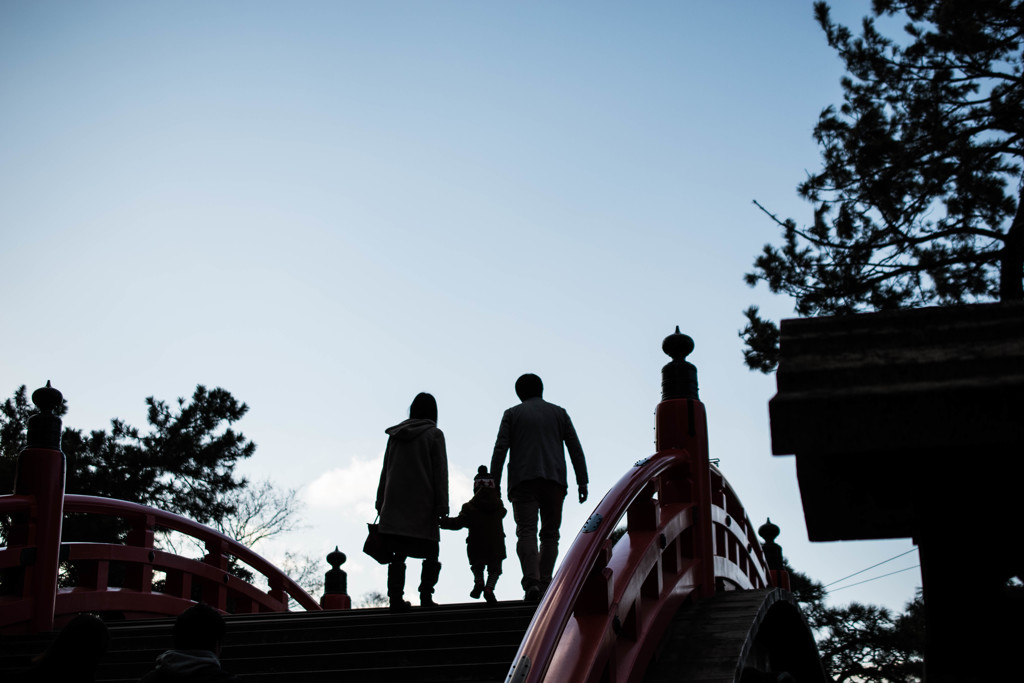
[(485, 543)]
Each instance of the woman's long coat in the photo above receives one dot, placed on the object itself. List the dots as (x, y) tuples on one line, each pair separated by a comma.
[(413, 491)]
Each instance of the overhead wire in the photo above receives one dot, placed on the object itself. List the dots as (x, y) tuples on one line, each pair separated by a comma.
[(875, 578), (879, 564)]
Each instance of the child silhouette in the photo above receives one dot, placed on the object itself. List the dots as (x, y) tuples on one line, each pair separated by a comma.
[(485, 543)]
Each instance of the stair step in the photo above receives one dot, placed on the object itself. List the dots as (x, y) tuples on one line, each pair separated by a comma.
[(289, 664), (468, 643), (434, 673), (326, 641)]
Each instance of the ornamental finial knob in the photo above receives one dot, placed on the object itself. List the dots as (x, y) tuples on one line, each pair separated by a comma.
[(678, 377), (44, 427), (336, 580), (772, 550), (336, 558), (769, 531), (677, 345)]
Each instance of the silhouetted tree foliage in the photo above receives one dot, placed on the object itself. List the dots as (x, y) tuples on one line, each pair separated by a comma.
[(14, 414), (863, 642), (183, 463), (918, 201), (373, 599), (259, 510), (868, 643)]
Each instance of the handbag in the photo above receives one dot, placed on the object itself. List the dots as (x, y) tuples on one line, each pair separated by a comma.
[(376, 546)]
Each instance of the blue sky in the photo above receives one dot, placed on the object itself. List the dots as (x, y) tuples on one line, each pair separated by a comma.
[(327, 207)]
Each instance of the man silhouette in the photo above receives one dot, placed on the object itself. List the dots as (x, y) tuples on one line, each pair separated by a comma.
[(535, 431)]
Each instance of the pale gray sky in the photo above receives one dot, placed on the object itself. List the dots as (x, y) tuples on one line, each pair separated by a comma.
[(327, 207)]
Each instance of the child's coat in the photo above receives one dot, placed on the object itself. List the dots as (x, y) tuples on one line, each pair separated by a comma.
[(485, 543)]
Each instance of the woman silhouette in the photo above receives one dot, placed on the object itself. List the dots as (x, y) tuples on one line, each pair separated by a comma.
[(413, 497)]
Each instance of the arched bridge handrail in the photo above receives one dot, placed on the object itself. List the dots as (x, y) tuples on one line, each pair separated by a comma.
[(609, 607), (141, 559), (212, 539), (739, 557), (14, 503)]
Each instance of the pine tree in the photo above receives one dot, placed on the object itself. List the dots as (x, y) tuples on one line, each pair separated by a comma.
[(919, 197), (863, 643), (185, 462)]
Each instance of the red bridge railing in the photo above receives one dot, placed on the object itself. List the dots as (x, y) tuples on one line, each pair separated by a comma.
[(609, 606), (32, 598), (686, 536), (140, 560)]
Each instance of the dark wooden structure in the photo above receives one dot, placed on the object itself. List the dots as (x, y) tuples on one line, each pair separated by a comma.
[(911, 424)]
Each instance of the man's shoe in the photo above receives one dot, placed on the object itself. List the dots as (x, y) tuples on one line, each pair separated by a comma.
[(426, 600), (489, 596), (478, 588), (532, 594), (400, 605)]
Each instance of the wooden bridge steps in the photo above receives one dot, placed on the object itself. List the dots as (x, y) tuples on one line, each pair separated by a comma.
[(714, 640), (470, 643), (706, 639)]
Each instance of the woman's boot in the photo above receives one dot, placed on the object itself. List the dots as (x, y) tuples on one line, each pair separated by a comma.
[(428, 579), (396, 587)]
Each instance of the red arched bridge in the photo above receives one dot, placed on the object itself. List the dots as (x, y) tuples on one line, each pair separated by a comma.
[(667, 581)]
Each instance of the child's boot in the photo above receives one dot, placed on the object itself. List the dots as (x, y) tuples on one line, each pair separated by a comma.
[(478, 582), (492, 581)]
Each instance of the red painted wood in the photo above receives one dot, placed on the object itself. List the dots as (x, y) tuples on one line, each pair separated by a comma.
[(682, 424), (608, 608), (136, 598), (41, 476)]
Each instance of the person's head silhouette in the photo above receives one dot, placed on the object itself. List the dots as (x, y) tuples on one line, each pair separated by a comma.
[(529, 386), (200, 627), (423, 407)]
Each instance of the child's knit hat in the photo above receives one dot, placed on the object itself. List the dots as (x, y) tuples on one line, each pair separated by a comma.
[(483, 480)]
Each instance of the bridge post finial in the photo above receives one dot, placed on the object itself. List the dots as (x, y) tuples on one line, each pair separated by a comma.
[(336, 583), (772, 550), (678, 377), (44, 427), (681, 424), (773, 554)]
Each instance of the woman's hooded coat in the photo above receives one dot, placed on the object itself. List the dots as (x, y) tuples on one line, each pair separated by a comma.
[(413, 491)]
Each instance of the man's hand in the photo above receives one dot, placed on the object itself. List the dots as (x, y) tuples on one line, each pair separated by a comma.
[(583, 493)]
